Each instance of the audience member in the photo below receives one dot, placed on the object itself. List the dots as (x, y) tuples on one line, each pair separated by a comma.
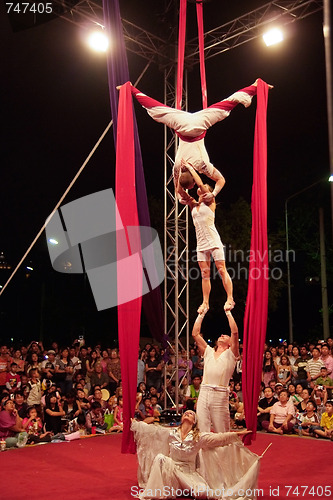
[(313, 368), (153, 370), (48, 366), (265, 405), (281, 415), (300, 367), (11, 429), (53, 414), (95, 419), (13, 380), (268, 369), (326, 423), (114, 371), (305, 421), (98, 377), (327, 359), (284, 370), (64, 371), (33, 425), (192, 392)]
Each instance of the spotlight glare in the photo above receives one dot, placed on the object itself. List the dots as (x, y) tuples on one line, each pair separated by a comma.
[(273, 36), (98, 41), (53, 241), (330, 179)]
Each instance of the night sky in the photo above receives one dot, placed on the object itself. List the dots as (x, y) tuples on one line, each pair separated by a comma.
[(55, 106)]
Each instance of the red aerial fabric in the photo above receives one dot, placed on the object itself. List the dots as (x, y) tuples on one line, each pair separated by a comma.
[(201, 54), (129, 267), (181, 53), (255, 320)]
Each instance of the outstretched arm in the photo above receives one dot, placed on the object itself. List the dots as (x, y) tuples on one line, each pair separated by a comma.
[(234, 345), (196, 333)]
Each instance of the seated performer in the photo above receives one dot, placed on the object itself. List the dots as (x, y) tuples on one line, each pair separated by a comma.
[(208, 239), (168, 462), (191, 130)]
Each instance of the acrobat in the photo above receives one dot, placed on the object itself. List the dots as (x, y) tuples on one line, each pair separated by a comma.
[(208, 239), (191, 130)]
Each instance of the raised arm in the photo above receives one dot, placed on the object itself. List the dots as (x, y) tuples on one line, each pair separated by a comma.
[(185, 198), (196, 333), (234, 345)]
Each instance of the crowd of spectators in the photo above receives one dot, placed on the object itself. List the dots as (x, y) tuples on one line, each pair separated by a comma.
[(297, 384), (54, 394)]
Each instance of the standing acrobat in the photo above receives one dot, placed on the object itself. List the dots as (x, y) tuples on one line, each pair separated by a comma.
[(219, 365), (208, 239), (191, 129)]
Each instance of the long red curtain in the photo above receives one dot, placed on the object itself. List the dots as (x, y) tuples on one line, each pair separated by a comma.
[(255, 320), (181, 53), (129, 266)]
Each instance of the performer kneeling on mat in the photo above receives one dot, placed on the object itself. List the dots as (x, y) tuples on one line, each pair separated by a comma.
[(168, 464)]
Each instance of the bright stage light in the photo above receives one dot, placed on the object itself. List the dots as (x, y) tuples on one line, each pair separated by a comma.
[(53, 241), (330, 179), (98, 41), (273, 36)]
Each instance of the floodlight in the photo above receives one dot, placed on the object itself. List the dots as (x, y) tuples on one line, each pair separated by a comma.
[(273, 36), (98, 41)]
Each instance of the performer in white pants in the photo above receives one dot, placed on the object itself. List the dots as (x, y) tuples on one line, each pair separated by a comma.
[(191, 130), (219, 364)]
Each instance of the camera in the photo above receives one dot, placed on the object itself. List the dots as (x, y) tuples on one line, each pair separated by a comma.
[(320, 387)]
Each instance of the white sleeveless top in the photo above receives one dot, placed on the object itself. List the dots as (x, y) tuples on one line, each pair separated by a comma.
[(206, 232), (218, 372)]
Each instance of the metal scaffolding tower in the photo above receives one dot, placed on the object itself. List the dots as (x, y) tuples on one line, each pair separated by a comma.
[(155, 49)]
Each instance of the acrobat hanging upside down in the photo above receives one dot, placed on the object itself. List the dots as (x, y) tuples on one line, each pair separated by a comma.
[(191, 130)]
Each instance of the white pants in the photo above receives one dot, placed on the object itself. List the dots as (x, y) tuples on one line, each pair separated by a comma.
[(213, 408), (168, 477)]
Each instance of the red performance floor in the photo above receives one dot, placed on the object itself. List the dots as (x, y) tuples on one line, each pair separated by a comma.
[(93, 468)]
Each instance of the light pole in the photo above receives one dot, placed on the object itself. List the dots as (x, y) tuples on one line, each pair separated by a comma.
[(290, 312)]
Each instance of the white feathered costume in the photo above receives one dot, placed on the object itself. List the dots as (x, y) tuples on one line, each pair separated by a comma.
[(217, 465)]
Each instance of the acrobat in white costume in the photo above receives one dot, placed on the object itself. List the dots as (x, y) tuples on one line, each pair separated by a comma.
[(191, 127), (219, 364), (169, 465)]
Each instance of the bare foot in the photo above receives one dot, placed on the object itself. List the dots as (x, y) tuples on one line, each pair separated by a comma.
[(255, 84), (203, 308), (230, 304)]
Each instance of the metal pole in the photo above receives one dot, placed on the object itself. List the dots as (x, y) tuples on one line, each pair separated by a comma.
[(290, 312), (329, 85), (326, 326)]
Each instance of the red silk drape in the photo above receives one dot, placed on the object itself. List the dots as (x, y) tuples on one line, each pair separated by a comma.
[(202, 54), (255, 320), (129, 267), (181, 53)]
